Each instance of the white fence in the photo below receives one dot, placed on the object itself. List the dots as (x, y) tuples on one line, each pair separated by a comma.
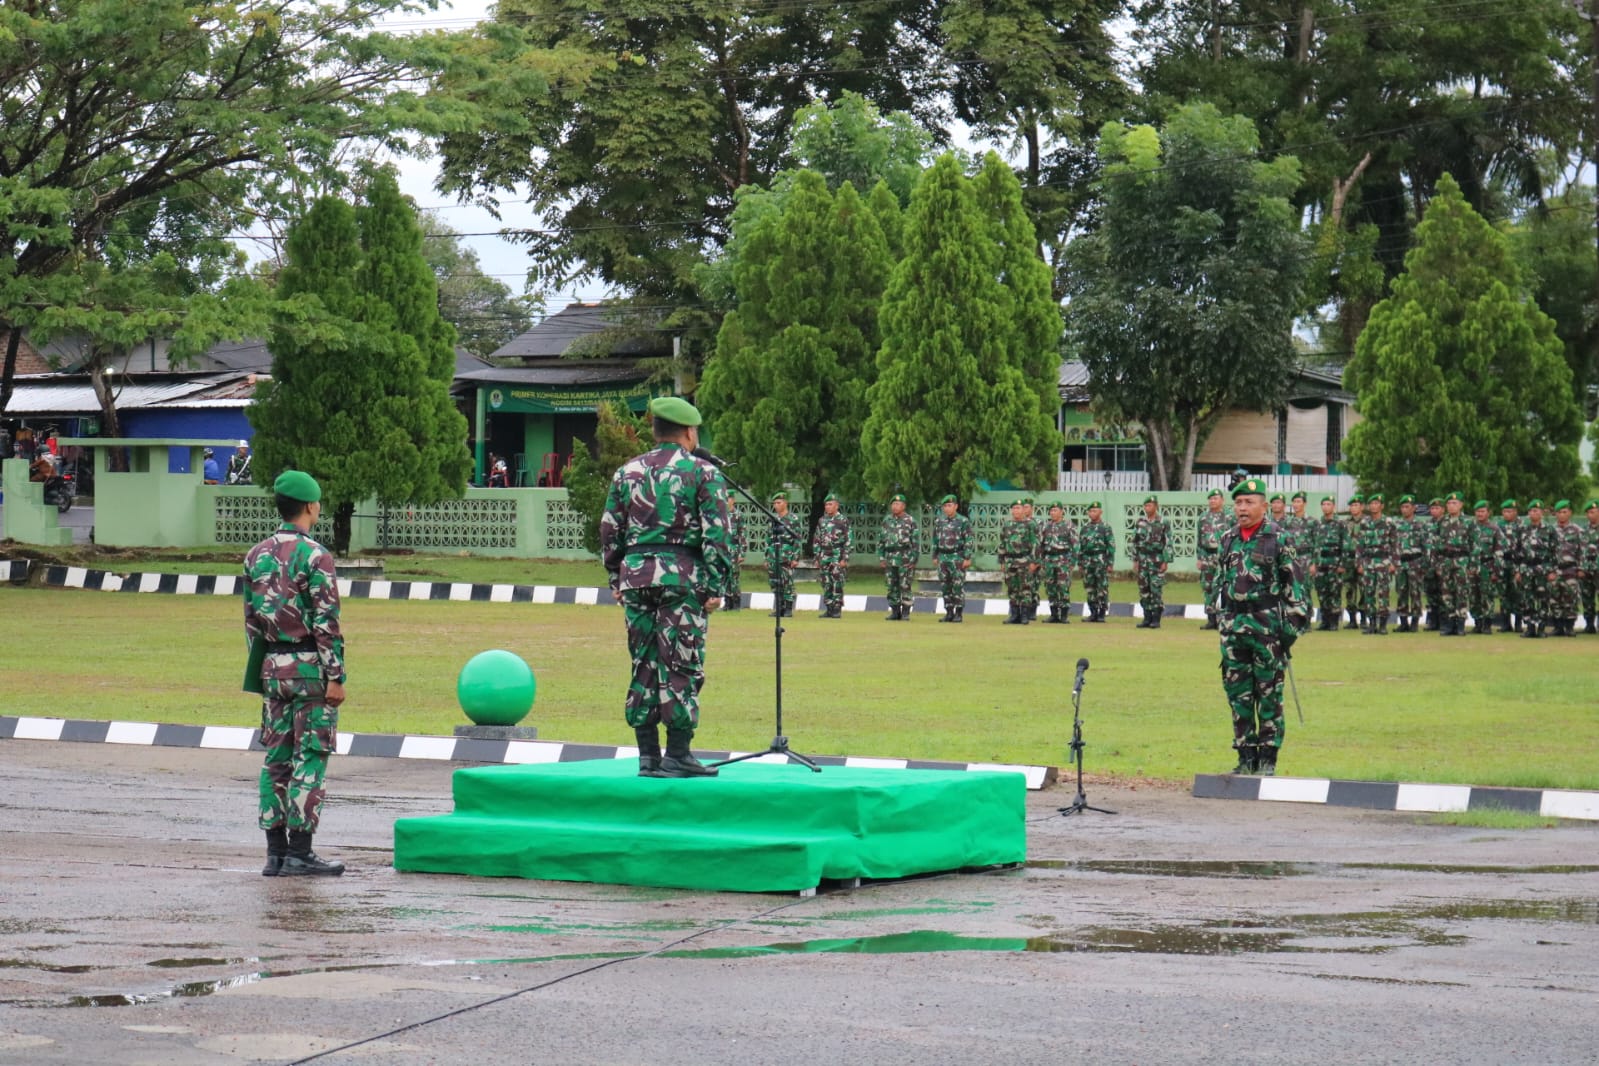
[(1104, 481), (1338, 486)]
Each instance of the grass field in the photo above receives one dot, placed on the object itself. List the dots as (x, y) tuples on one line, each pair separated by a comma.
[(1479, 710)]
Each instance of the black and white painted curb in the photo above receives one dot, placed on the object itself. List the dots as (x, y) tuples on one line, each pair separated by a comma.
[(1399, 795), (441, 749), (76, 577), (14, 570)]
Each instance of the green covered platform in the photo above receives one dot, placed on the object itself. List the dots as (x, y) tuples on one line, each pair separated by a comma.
[(755, 828)]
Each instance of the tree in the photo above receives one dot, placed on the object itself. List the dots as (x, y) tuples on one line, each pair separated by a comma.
[(484, 311), (1554, 251), (619, 436), (110, 108), (361, 363), (953, 401), (1182, 300), (1461, 379), (850, 140), (786, 390)]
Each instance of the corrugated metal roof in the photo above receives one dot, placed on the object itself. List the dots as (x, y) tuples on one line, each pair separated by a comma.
[(554, 336), (568, 372), (67, 398)]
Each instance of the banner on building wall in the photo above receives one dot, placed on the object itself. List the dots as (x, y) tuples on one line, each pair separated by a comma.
[(553, 400), (1080, 427)]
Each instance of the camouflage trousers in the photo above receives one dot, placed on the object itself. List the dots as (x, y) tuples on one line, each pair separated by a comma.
[(1589, 594), (1151, 588), (1482, 587), (1021, 585), (1410, 585), (666, 639), (1531, 593), (1207, 583), (734, 599), (1329, 588), (1435, 587), (1375, 586), (1056, 574), (1096, 585), (781, 578), (832, 573), (1252, 664), (899, 575), (952, 582), (298, 731), (1565, 595), (1509, 585), (1354, 599), (1454, 587)]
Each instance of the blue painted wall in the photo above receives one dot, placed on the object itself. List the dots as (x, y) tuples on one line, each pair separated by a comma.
[(196, 424)]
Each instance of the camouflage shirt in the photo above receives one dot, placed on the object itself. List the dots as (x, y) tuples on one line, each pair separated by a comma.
[(1151, 541), (1377, 542), (1484, 542), (1569, 543), (1262, 577), (831, 543), (1452, 538), (1536, 547), (736, 534), (291, 596), (1213, 525), (899, 539), (1018, 541), (1096, 544), (665, 524), (1058, 539), (1411, 535), (782, 540), (1330, 538), (952, 537), (1296, 530), (1507, 551), (1590, 552)]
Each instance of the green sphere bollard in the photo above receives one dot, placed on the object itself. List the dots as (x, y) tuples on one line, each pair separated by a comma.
[(496, 688)]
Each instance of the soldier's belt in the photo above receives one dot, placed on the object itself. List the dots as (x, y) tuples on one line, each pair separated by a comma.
[(1412, 558), (283, 647), (1265, 603), (1055, 555)]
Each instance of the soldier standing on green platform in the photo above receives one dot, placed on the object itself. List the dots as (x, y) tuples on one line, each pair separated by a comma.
[(782, 555), (1096, 554), (1565, 571), (1482, 570), (830, 547), (952, 546), (1329, 544), (1535, 561), (734, 600), (1262, 599), (1507, 560), (1057, 549), (666, 545), (898, 551), (1376, 555), (1207, 544), (1590, 566), (291, 620), (1150, 549), (1018, 557), (1356, 519), (1411, 578), (1451, 550)]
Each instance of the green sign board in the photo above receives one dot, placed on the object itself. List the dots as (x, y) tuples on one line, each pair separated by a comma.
[(556, 400)]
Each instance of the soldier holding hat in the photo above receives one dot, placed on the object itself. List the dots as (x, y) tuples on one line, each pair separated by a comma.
[(952, 546), (1356, 519), (1376, 552), (1263, 609), (1057, 549), (291, 618), (782, 555), (830, 546), (898, 550), (667, 548), (1207, 544), (1150, 548), (1096, 554)]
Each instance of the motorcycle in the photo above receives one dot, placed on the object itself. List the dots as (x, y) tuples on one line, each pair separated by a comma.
[(58, 490)]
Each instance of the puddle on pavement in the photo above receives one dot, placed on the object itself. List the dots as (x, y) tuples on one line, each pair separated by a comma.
[(1272, 870), (44, 967), (196, 963)]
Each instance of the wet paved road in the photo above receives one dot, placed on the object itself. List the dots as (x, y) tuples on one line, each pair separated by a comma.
[(134, 928)]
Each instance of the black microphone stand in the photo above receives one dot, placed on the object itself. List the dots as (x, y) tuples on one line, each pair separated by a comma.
[(1079, 804), (779, 745)]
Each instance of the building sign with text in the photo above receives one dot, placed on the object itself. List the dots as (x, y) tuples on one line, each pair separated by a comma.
[(557, 400)]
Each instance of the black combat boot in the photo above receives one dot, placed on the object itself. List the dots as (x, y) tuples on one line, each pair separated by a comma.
[(1382, 625), (1211, 623), (1054, 615), (649, 750), (905, 612), (949, 615), (277, 850), (788, 609), (1355, 621), (1532, 630), (1015, 618), (1266, 761), (301, 861), (679, 761), (892, 615), (1158, 612), (1587, 622), (1246, 759), (1485, 625), (1066, 613), (1432, 622), (1026, 614), (1148, 621), (960, 613)]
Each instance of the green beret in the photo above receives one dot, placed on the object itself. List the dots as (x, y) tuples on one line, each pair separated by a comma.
[(1535, 502), (1454, 496), (1592, 504), (898, 497), (1054, 504), (1214, 494), (1095, 505), (948, 499), (1250, 486), (675, 409), (1375, 497), (1025, 501), (1436, 501), (1507, 503), (832, 496), (1562, 505), (1357, 498), (1407, 498), (1277, 497), (778, 496), (1151, 499), (297, 485), (1479, 503), (1298, 496)]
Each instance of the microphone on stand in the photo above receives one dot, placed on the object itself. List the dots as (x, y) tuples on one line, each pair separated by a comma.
[(1082, 668), (716, 461)]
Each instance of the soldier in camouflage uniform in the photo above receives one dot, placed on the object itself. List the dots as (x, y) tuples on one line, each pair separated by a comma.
[(1018, 556), (291, 619), (1034, 578), (782, 555), (1356, 519), (1057, 550), (952, 546), (830, 547), (1565, 571), (1507, 562), (1150, 549), (1376, 554), (1409, 584), (665, 543), (1432, 585), (1535, 560), (1482, 570), (1295, 529), (1096, 554), (898, 551), (1590, 567), (1329, 545), (734, 600), (1261, 595), (1212, 524), (1451, 550)]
